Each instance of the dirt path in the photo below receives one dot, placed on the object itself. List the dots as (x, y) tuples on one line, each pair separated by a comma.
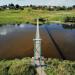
[(39, 68), (40, 71)]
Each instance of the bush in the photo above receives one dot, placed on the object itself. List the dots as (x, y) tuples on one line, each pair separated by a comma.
[(69, 19), (17, 67), (60, 67)]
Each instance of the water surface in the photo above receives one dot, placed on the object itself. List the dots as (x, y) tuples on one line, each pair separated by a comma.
[(16, 41)]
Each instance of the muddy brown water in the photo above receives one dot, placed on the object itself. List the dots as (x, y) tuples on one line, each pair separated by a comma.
[(17, 41)]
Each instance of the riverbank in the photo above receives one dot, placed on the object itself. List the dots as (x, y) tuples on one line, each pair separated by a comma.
[(65, 23), (28, 15), (23, 67), (60, 67)]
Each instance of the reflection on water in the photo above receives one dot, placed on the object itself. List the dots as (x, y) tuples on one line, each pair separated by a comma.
[(5, 29), (16, 41), (65, 39), (65, 26)]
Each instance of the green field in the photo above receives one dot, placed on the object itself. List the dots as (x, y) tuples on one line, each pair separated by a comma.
[(28, 15)]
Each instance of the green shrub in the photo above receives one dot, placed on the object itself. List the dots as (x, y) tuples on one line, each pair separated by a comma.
[(17, 67), (69, 19), (60, 67)]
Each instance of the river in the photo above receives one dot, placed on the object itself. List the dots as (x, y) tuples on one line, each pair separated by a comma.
[(58, 41)]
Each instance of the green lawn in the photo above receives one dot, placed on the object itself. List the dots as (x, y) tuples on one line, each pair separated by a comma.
[(28, 15)]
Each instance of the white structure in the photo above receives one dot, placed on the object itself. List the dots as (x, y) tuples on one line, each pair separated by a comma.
[(37, 46), (37, 59)]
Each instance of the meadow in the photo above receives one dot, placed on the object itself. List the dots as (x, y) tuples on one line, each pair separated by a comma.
[(12, 16)]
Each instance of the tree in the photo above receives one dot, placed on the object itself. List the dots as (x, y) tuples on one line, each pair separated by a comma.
[(67, 19), (17, 6), (11, 6), (69, 8), (22, 8), (1, 8), (74, 6), (63, 8), (4, 6)]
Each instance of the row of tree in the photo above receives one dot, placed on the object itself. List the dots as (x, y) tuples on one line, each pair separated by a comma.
[(50, 8), (11, 6)]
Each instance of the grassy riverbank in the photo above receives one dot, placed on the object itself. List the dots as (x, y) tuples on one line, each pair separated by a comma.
[(60, 67), (28, 15), (23, 67), (17, 67)]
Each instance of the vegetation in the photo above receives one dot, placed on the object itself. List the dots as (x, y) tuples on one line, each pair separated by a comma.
[(50, 8), (12, 14), (17, 67), (66, 26), (60, 67), (24, 67), (70, 19)]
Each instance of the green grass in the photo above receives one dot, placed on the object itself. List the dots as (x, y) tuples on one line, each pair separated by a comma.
[(23, 67), (16, 67), (28, 15), (60, 67)]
